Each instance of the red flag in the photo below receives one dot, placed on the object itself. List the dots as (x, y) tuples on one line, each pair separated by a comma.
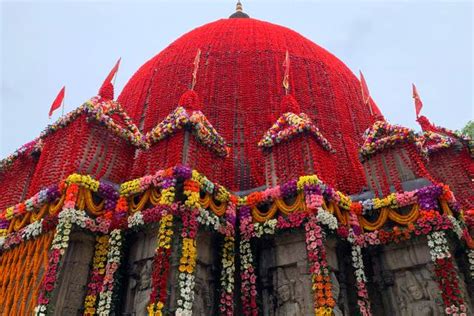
[(418, 103), (106, 91), (57, 102), (374, 109)]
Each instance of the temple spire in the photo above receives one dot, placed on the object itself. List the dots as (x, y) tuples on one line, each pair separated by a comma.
[(239, 13)]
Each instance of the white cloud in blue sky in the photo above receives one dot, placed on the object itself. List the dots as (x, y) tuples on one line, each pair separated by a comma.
[(48, 44)]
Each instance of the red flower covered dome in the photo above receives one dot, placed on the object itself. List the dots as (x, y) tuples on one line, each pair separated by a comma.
[(239, 84)]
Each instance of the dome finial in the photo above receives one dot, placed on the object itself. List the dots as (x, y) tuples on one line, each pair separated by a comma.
[(239, 13), (238, 7)]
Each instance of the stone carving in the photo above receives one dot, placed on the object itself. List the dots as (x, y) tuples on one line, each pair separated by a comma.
[(417, 295), (286, 304), (204, 287), (141, 285), (285, 278), (139, 272), (203, 298)]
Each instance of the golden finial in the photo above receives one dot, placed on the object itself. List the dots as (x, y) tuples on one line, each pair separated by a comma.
[(239, 13), (238, 7)]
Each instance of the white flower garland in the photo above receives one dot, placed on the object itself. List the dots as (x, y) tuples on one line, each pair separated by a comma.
[(456, 226), (358, 264), (470, 256), (113, 263), (327, 219), (135, 220), (438, 244), (266, 228)]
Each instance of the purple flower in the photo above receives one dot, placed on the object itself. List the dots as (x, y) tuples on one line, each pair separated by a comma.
[(182, 172), (288, 189)]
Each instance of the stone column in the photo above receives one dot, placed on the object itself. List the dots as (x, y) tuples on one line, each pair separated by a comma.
[(413, 290), (285, 278), (139, 272), (72, 282), (206, 276)]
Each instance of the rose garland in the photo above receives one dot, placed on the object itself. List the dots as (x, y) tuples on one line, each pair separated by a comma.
[(114, 256), (446, 274), (97, 274)]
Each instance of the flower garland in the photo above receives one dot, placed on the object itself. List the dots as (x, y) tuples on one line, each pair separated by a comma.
[(114, 256), (313, 193), (383, 135), (97, 110), (187, 263), (161, 266), (197, 122), (288, 126), (58, 248), (320, 272), (363, 301), (34, 146), (470, 256), (226, 302), (446, 274), (97, 274), (430, 142)]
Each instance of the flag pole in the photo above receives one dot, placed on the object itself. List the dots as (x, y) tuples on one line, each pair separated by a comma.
[(62, 108), (116, 73)]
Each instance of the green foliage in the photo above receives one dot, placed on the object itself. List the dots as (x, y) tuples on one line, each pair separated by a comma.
[(468, 129)]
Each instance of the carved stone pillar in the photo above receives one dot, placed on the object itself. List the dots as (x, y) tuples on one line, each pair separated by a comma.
[(72, 284), (413, 290), (285, 278), (139, 272), (206, 276)]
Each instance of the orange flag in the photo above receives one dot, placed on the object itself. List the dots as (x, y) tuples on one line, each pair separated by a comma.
[(418, 103), (106, 91), (286, 75), (364, 88), (57, 102)]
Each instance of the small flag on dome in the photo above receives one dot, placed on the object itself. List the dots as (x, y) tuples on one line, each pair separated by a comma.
[(286, 76), (364, 88), (373, 108), (58, 101), (196, 67), (418, 103), (106, 91)]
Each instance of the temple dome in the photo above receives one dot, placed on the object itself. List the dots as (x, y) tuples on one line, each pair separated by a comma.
[(239, 82)]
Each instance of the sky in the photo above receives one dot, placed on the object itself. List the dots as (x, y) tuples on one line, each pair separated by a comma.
[(47, 44)]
